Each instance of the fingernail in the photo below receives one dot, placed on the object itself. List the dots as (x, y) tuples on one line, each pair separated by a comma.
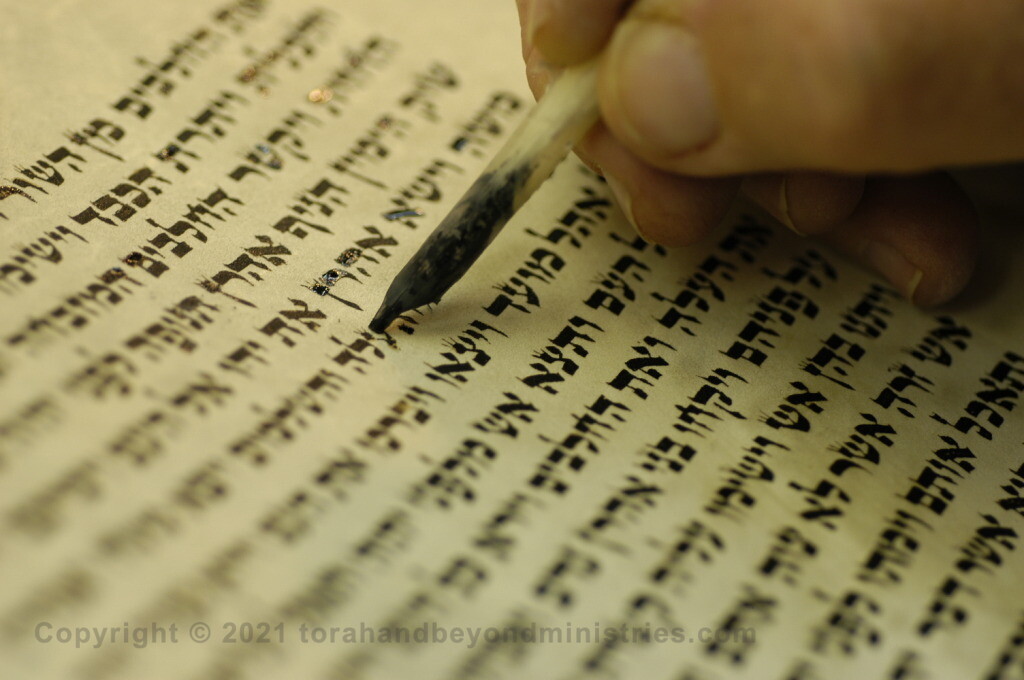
[(784, 215), (896, 269), (622, 198), (661, 81), (539, 74)]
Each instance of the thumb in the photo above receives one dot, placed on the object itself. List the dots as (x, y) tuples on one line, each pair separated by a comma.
[(728, 86)]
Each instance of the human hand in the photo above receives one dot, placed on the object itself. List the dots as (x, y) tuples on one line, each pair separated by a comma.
[(811, 108)]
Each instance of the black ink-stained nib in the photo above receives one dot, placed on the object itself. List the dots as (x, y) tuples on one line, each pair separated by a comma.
[(383, 318), (454, 245)]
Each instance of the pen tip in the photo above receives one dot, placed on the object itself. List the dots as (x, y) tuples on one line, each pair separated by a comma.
[(383, 318)]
